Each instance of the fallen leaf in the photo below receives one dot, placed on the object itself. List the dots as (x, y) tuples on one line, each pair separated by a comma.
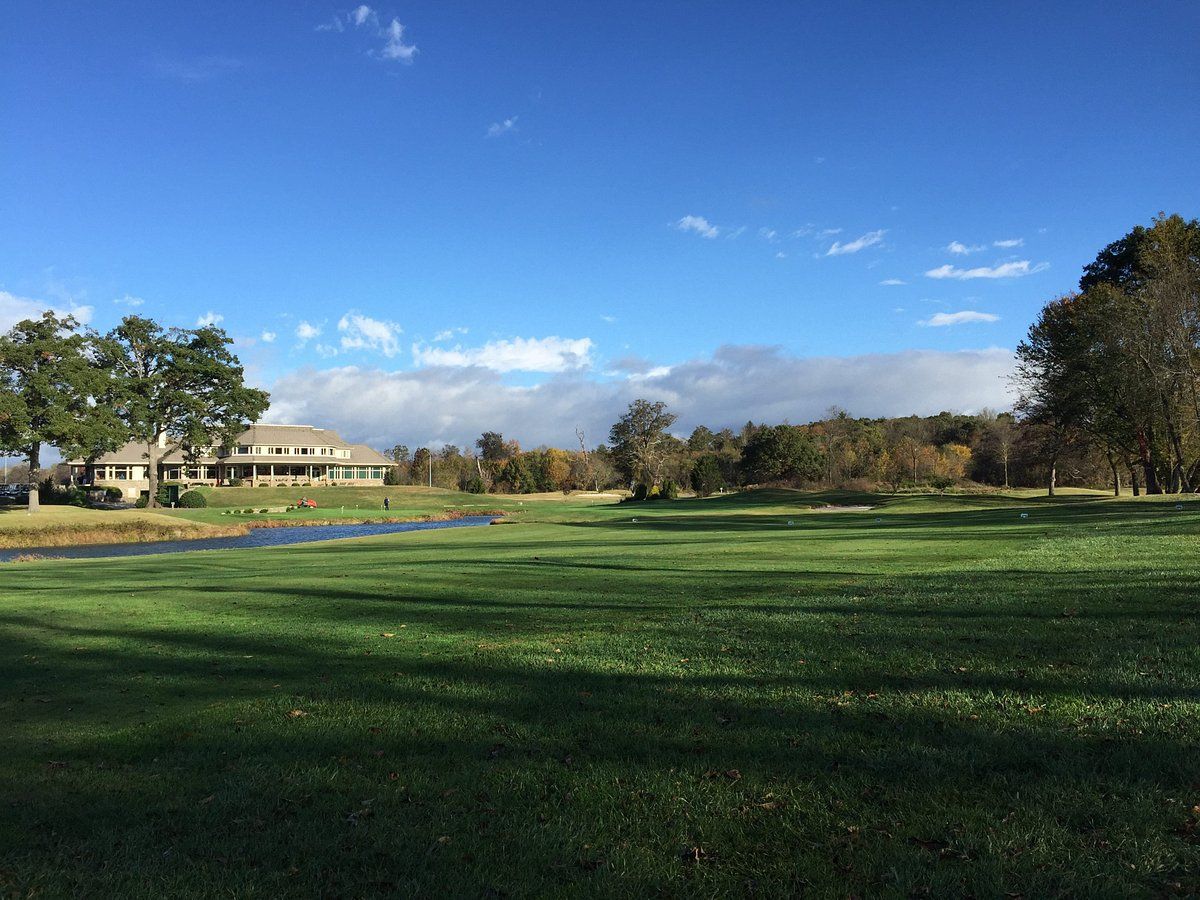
[(297, 714)]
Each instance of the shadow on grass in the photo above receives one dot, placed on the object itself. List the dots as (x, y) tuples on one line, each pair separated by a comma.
[(848, 727)]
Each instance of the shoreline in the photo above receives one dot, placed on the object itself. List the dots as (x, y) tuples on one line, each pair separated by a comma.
[(144, 532)]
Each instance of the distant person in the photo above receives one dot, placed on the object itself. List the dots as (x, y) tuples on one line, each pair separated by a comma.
[(387, 503)]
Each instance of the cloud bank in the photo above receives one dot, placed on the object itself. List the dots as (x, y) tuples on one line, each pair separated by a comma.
[(452, 400)]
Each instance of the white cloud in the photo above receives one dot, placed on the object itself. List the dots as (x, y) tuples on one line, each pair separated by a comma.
[(870, 239), (14, 309), (448, 334), (394, 48), (768, 234), (130, 301), (502, 127), (549, 354), (268, 337), (361, 332), (609, 319), (732, 385), (889, 282), (1004, 270), (306, 331), (209, 318), (964, 317), (1010, 242), (961, 249), (699, 225), (735, 233)]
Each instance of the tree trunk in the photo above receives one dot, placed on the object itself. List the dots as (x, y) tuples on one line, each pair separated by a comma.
[(1133, 481), (35, 473), (1116, 473), (1179, 479), (1006, 468), (1152, 486), (152, 473)]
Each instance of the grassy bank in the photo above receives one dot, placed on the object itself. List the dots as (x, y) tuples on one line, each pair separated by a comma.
[(936, 696), (67, 526)]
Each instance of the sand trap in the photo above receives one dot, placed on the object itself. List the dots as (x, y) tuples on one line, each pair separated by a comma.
[(841, 508)]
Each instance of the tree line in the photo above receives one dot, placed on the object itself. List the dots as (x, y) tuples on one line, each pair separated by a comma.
[(643, 455)]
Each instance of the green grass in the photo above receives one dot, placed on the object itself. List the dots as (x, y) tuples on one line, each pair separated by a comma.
[(366, 503), (951, 700)]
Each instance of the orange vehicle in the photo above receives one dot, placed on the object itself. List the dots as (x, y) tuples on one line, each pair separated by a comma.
[(305, 503)]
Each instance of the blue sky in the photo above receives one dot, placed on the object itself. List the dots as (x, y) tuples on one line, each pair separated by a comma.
[(425, 219)]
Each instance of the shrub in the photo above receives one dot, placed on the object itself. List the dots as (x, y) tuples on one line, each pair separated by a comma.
[(281, 485), (192, 500), (247, 511), (474, 485), (706, 475), (306, 484), (142, 501), (113, 494), (640, 491), (669, 490), (262, 484), (264, 510), (233, 482)]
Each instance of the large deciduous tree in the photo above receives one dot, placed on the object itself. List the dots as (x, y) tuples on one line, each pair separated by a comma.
[(53, 392), (640, 442), (1119, 362), (179, 388)]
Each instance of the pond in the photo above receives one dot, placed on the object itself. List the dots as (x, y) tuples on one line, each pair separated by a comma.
[(257, 537)]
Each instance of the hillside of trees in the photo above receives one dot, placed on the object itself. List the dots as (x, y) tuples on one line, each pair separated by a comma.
[(837, 451)]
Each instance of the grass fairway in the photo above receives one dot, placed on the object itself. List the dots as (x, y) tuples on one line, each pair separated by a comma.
[(952, 700)]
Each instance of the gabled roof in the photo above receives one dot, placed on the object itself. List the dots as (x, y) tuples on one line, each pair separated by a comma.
[(362, 455), (261, 436)]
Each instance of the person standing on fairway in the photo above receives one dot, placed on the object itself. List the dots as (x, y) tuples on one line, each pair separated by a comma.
[(387, 503)]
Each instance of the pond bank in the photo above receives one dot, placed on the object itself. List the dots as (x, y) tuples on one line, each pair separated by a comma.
[(250, 537), (163, 527)]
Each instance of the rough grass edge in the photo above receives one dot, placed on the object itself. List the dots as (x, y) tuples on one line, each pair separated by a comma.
[(145, 532)]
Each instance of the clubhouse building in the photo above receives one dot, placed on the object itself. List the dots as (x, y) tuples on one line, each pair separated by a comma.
[(262, 454)]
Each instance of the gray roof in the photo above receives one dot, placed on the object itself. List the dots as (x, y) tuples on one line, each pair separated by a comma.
[(362, 455), (262, 436), (291, 435)]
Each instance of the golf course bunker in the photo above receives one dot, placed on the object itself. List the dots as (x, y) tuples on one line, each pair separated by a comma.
[(828, 509), (258, 537)]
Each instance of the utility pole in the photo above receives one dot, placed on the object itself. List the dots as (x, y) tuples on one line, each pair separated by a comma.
[(430, 468)]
